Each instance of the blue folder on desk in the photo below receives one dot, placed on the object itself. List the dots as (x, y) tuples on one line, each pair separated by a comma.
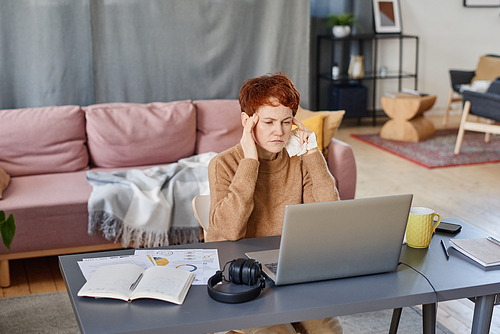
[(338, 239)]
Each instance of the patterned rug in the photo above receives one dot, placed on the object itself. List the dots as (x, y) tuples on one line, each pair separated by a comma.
[(437, 151)]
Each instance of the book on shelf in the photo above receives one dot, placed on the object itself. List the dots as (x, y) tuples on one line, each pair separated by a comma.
[(130, 281), (485, 251)]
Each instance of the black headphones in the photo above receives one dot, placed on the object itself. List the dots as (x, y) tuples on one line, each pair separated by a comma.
[(241, 271)]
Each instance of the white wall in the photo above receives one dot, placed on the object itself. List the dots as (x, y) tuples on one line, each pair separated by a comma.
[(451, 37)]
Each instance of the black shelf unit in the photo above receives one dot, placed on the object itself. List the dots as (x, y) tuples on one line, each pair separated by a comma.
[(371, 73)]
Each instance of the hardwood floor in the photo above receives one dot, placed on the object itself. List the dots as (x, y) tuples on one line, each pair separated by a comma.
[(35, 275), (470, 193)]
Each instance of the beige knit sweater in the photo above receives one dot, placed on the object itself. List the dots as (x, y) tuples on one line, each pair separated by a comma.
[(248, 197)]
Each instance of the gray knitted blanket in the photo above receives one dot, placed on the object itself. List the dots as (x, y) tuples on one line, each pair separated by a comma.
[(147, 208)]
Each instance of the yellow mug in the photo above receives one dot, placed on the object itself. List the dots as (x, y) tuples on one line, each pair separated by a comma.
[(421, 226)]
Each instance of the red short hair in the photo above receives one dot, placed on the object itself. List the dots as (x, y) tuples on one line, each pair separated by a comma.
[(258, 92)]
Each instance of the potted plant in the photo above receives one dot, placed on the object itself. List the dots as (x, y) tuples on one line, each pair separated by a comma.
[(341, 24), (7, 229)]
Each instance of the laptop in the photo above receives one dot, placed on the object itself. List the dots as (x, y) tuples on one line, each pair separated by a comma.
[(329, 240)]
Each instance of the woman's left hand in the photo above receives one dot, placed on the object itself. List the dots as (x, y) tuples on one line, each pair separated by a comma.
[(304, 133)]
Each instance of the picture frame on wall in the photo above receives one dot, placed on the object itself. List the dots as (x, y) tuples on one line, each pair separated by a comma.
[(481, 3), (387, 16)]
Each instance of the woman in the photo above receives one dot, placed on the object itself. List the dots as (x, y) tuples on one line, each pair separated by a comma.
[(251, 183)]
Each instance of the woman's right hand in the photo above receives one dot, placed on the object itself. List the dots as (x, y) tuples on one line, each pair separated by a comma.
[(247, 140)]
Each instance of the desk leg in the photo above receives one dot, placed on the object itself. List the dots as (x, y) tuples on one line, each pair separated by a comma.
[(396, 316), (429, 318), (483, 310)]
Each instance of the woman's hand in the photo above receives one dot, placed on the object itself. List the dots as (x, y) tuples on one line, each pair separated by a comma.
[(304, 134), (247, 141)]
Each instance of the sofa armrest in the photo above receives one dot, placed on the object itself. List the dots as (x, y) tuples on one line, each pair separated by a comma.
[(459, 77), (342, 165)]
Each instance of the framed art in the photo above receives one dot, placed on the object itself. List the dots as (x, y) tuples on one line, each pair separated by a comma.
[(481, 3), (387, 16)]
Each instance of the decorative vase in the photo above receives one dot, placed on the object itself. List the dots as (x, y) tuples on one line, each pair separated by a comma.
[(356, 68), (383, 71), (335, 71), (341, 31)]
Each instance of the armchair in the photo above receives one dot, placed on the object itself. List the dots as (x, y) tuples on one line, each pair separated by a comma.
[(488, 68), (486, 105)]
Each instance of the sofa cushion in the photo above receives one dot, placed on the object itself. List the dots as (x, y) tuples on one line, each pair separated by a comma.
[(42, 140), (50, 212), (130, 134), (4, 181), (219, 125)]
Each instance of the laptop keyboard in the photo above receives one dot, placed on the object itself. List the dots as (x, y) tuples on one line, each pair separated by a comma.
[(273, 267)]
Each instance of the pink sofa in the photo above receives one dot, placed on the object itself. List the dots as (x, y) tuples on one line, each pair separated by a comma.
[(48, 150)]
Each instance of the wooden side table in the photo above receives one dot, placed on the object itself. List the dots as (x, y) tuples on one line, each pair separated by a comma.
[(407, 122)]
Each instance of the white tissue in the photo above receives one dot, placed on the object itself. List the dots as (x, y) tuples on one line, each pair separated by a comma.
[(293, 146), (480, 86)]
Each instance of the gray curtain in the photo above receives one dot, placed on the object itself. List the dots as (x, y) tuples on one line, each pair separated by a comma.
[(57, 52), (45, 53)]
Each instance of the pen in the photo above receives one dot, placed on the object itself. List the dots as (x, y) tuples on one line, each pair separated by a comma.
[(445, 250), (493, 240), (134, 285)]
